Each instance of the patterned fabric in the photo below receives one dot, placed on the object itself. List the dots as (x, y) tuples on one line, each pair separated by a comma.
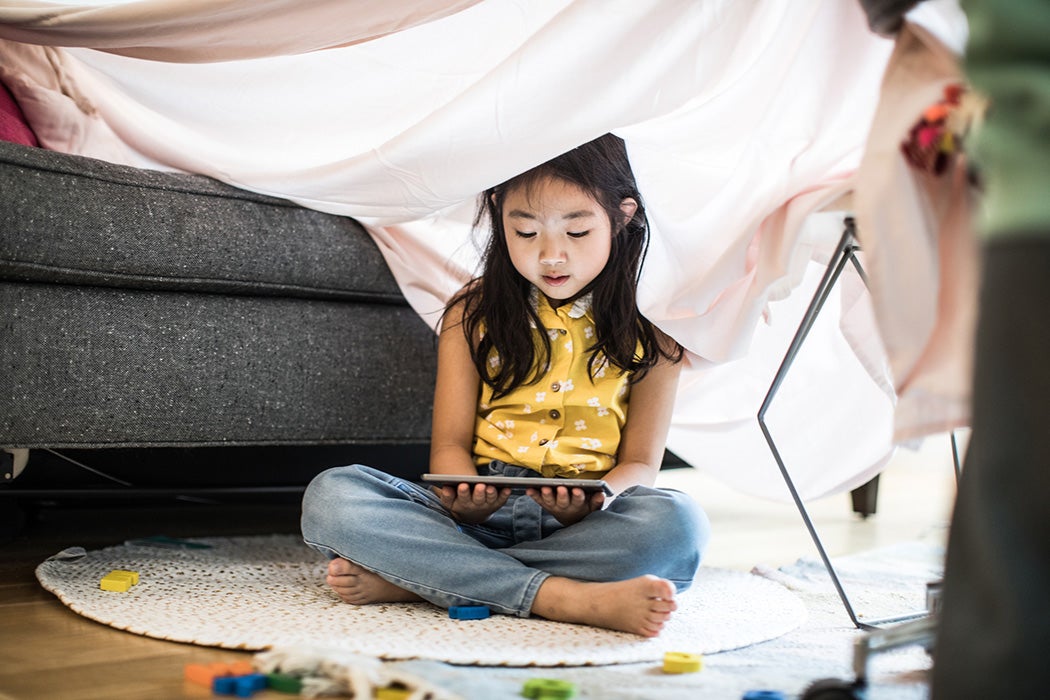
[(565, 424)]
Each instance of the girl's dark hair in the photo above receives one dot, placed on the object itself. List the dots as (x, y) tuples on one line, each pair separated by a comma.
[(498, 299)]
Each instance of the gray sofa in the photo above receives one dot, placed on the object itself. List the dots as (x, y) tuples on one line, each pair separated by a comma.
[(149, 310)]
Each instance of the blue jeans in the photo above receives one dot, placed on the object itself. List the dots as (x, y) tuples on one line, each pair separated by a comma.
[(400, 531)]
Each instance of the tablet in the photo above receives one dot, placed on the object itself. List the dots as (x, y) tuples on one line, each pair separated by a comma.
[(518, 482)]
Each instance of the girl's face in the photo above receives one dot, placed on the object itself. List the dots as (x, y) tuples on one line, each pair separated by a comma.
[(558, 236)]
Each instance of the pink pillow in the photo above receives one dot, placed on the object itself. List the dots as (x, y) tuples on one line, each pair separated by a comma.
[(13, 125)]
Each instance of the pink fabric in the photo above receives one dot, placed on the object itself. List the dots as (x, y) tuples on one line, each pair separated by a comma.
[(217, 30), (915, 228), (43, 81), (740, 119), (13, 125)]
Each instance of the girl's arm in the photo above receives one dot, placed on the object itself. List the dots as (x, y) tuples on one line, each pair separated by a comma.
[(452, 433), (648, 421), (455, 400)]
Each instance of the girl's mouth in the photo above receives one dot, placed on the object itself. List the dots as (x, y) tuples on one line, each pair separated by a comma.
[(555, 280)]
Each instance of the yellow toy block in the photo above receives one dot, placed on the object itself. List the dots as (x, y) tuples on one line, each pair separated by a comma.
[(392, 693), (681, 662), (118, 581), (133, 574)]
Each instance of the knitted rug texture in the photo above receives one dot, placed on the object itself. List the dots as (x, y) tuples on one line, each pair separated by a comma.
[(265, 592), (883, 582)]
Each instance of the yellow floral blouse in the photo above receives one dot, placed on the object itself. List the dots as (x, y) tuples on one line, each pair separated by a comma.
[(566, 424)]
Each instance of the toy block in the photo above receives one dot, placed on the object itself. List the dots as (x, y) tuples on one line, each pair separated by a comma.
[(763, 695), (241, 686), (393, 693), (205, 674), (117, 581), (548, 689), (240, 668), (246, 686), (133, 574), (469, 612), (682, 662), (284, 683), (199, 673), (224, 685)]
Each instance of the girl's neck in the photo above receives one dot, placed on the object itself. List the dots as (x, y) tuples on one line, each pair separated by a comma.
[(558, 303)]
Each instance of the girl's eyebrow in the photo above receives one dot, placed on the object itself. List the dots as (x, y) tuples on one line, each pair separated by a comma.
[(579, 214)]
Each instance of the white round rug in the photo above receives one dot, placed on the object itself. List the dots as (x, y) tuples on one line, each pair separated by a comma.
[(263, 592)]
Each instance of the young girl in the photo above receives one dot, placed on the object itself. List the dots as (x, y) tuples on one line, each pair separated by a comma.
[(545, 368)]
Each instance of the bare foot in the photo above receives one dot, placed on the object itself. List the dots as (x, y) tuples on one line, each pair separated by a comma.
[(359, 586), (639, 605)]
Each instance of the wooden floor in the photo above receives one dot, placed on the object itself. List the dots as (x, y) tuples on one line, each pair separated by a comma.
[(48, 652)]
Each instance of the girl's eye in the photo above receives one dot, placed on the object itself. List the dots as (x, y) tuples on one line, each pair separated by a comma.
[(581, 234), (526, 234)]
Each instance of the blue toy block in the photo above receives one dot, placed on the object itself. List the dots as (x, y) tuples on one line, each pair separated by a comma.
[(246, 686), (224, 685), (763, 695), (241, 686), (469, 612)]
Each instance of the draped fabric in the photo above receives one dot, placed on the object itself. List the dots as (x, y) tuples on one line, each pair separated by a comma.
[(742, 120)]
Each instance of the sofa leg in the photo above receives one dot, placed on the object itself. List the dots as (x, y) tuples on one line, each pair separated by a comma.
[(865, 497)]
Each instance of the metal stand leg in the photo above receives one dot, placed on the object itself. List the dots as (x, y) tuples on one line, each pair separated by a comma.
[(845, 253), (956, 459)]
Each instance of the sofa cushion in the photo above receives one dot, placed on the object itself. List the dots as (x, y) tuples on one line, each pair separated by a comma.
[(94, 366), (74, 220)]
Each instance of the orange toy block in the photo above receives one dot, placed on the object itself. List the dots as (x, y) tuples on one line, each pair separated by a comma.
[(199, 674), (241, 668), (205, 674)]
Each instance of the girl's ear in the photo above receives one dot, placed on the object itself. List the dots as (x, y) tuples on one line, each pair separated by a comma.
[(628, 206)]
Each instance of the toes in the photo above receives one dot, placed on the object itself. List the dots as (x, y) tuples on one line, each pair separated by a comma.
[(340, 567), (664, 607), (660, 588), (652, 629), (340, 581)]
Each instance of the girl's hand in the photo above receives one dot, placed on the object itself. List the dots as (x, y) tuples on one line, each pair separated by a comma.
[(472, 505), (569, 506)]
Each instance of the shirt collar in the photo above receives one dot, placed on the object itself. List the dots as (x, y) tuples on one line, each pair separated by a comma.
[(579, 308)]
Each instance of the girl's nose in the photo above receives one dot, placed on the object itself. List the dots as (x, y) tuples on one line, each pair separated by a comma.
[(552, 256)]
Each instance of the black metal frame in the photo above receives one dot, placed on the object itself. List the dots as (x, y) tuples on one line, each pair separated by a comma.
[(845, 253)]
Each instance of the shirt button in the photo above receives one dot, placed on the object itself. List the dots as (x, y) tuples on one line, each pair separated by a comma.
[(555, 414), (562, 331), (555, 386), (543, 441)]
